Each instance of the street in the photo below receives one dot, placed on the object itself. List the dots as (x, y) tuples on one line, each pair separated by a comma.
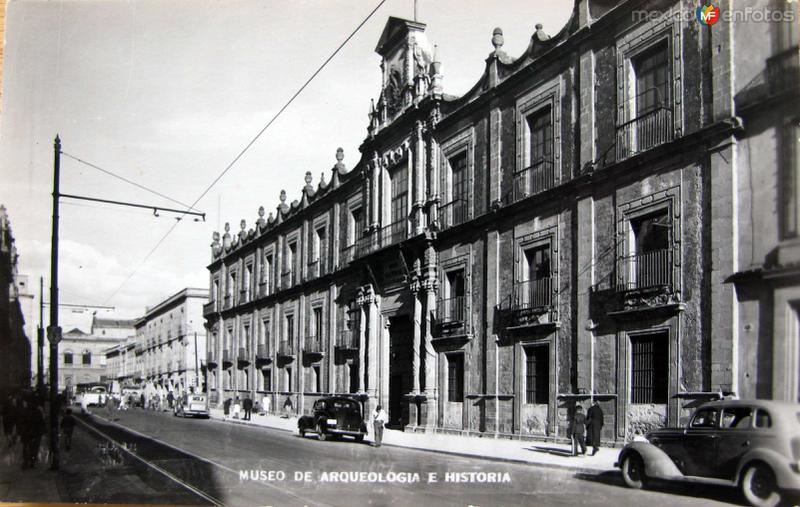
[(284, 469)]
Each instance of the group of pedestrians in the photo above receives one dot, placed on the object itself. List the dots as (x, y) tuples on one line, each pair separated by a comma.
[(241, 408), (586, 429), (23, 421)]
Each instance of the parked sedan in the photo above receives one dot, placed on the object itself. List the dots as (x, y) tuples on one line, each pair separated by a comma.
[(334, 416), (192, 405), (754, 445)]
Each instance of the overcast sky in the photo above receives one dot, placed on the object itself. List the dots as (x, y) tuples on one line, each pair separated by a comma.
[(166, 93)]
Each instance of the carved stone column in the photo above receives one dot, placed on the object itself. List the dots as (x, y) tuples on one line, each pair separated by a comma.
[(418, 181), (375, 195), (362, 341), (429, 286), (416, 337), (373, 339)]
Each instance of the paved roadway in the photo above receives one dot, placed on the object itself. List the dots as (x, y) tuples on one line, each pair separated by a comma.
[(228, 449)]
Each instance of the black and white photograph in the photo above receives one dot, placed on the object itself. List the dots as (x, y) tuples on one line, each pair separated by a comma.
[(400, 252)]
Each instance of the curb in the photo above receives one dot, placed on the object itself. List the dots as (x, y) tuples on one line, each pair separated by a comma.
[(516, 461)]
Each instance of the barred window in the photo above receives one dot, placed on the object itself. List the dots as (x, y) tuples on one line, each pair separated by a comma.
[(537, 374), (649, 368), (455, 377)]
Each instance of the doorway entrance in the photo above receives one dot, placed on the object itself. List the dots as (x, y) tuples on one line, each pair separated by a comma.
[(400, 374)]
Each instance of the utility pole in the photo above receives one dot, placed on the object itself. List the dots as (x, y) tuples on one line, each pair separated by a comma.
[(196, 364), (53, 331), (40, 341)]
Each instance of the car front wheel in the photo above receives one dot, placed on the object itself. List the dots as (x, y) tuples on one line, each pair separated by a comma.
[(322, 435), (759, 486), (633, 471)]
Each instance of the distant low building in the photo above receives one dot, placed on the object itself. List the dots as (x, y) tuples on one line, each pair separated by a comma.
[(83, 355)]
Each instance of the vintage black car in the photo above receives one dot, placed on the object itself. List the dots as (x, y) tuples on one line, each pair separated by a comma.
[(334, 416), (754, 445)]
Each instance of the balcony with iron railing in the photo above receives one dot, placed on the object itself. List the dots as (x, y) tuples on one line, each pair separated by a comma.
[(348, 340), (644, 132), (346, 255), (532, 180), (394, 232), (451, 316), (227, 302), (262, 352), (783, 71), (530, 303), (211, 359), (209, 309), (313, 345), (243, 356), (454, 213), (227, 358), (647, 271), (367, 244), (287, 348)]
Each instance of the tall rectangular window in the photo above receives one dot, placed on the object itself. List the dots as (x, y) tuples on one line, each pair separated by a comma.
[(86, 358), (790, 171), (399, 205), (246, 281), (291, 253), (455, 377), (460, 189), (290, 329), (67, 357), (652, 79), (649, 368), (540, 125), (321, 249), (266, 271), (353, 374), (318, 324), (246, 339), (357, 224), (288, 379), (266, 379), (317, 378), (650, 263), (537, 374)]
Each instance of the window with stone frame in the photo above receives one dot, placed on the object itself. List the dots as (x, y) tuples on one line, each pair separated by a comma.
[(452, 307), (537, 374), (357, 225), (86, 358), (652, 80), (290, 263), (352, 371), (68, 357), (289, 334), (649, 371), (649, 263), (537, 173), (455, 377), (536, 286), (247, 279), (317, 373), (398, 212), (456, 211), (266, 273), (790, 172), (321, 249)]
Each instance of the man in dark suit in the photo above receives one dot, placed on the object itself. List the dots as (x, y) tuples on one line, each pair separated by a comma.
[(594, 426), (247, 405)]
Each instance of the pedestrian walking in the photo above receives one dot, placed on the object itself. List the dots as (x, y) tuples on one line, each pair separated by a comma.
[(67, 427), (226, 408), (379, 419), (141, 399), (287, 407), (247, 405), (594, 426), (10, 415), (32, 427), (576, 431), (170, 400)]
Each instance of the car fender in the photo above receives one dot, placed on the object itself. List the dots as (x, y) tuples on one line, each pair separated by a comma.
[(784, 476), (657, 464), (305, 422)]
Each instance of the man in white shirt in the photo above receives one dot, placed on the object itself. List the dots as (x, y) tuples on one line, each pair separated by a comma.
[(379, 418)]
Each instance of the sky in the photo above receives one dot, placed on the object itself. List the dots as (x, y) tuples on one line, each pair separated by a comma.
[(167, 93)]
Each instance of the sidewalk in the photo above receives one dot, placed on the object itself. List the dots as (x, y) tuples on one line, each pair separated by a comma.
[(517, 451)]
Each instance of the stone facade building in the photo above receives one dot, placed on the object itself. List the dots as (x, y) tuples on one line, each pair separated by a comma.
[(171, 343), (15, 348), (594, 218), (83, 355)]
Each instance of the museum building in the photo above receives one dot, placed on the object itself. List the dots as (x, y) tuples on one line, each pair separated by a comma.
[(612, 215)]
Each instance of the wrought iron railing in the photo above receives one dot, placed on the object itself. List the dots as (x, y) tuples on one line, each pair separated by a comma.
[(783, 71), (227, 302), (313, 344), (531, 294), (453, 213), (533, 180), (647, 270), (347, 255), (244, 296), (209, 308), (367, 244), (348, 340), (286, 348), (451, 310), (647, 131), (226, 356), (262, 351), (243, 355), (394, 232)]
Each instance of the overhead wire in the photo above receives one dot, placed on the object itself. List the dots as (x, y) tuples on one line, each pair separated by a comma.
[(245, 149)]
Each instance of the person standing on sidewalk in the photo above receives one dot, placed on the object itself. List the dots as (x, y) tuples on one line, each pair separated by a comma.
[(32, 427), (577, 431), (226, 408), (379, 419), (10, 415), (67, 427), (247, 405), (594, 426)]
